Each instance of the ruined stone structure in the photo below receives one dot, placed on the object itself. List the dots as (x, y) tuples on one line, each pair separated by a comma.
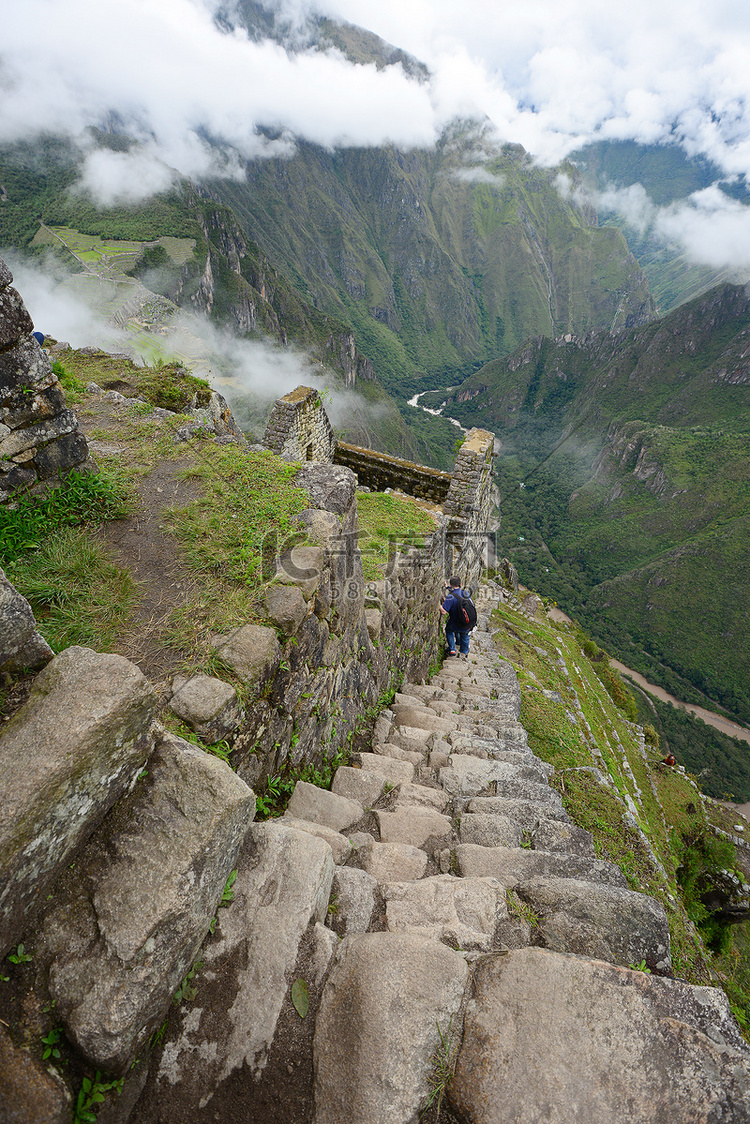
[(378, 471), (39, 435), (299, 429)]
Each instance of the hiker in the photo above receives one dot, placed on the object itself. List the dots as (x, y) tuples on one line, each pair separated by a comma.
[(670, 760), (458, 607)]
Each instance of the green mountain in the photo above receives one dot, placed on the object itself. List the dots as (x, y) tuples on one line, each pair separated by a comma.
[(625, 483), (668, 175)]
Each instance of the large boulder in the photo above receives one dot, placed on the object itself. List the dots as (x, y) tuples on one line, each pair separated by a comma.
[(283, 886), (560, 1038), (388, 1000), (606, 922), (145, 890), (88, 719)]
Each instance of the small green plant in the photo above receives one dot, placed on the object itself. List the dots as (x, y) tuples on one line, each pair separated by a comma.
[(187, 990), (442, 1065), (520, 910), (93, 1093), (640, 967), (20, 956), (51, 1042), (228, 895), (333, 905)]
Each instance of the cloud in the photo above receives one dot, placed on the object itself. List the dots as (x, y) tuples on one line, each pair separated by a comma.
[(174, 79), (200, 99), (709, 227)]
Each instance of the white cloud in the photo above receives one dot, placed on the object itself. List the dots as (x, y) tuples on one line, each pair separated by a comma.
[(708, 226), (547, 75)]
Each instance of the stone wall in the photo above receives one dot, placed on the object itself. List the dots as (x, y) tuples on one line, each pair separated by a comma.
[(39, 436), (469, 504), (377, 471), (344, 641), (299, 429)]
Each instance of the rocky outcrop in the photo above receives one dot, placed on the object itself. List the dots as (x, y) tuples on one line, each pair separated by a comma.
[(21, 644), (88, 721), (39, 436)]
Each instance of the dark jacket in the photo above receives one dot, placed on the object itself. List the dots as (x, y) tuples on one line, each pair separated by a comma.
[(452, 607)]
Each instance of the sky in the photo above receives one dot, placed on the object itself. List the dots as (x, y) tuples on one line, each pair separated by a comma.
[(548, 75)]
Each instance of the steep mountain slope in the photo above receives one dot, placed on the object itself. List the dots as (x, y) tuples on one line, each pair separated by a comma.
[(438, 259), (666, 175), (625, 480)]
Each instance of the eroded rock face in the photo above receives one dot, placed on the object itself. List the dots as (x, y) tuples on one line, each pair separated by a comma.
[(29, 1091), (145, 890), (377, 1027), (88, 720), (605, 1044), (21, 645), (283, 886)]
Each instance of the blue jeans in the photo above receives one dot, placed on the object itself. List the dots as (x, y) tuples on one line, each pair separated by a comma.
[(460, 635)]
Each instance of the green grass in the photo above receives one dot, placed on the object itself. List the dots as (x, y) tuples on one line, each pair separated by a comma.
[(77, 595), (389, 523), (167, 385), (573, 723)]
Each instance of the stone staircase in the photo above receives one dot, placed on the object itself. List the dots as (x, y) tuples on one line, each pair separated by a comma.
[(481, 935)]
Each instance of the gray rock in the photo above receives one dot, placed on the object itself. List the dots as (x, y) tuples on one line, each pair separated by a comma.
[(527, 813), (283, 885), (374, 622), (460, 912), (30, 436), (341, 847), (606, 922), (209, 706), (414, 826), (362, 785), (6, 277), (387, 1000), (468, 776), (330, 487), (553, 835), (286, 607), (250, 651), (149, 882), (302, 567), (423, 719), (559, 1038), (420, 796), (513, 865), (88, 718), (20, 643), (14, 319), (353, 900), (309, 802), (392, 862), (395, 772), (30, 1092), (489, 830)]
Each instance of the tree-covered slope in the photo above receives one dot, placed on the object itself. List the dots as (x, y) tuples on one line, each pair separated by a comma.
[(625, 483)]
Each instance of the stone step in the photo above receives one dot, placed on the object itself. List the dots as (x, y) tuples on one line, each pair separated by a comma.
[(513, 865), (469, 776), (528, 813), (147, 884), (604, 922), (87, 719), (463, 913), (561, 1038), (388, 999)]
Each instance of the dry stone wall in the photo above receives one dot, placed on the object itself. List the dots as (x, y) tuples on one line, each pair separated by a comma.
[(299, 428), (39, 435), (377, 471)]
